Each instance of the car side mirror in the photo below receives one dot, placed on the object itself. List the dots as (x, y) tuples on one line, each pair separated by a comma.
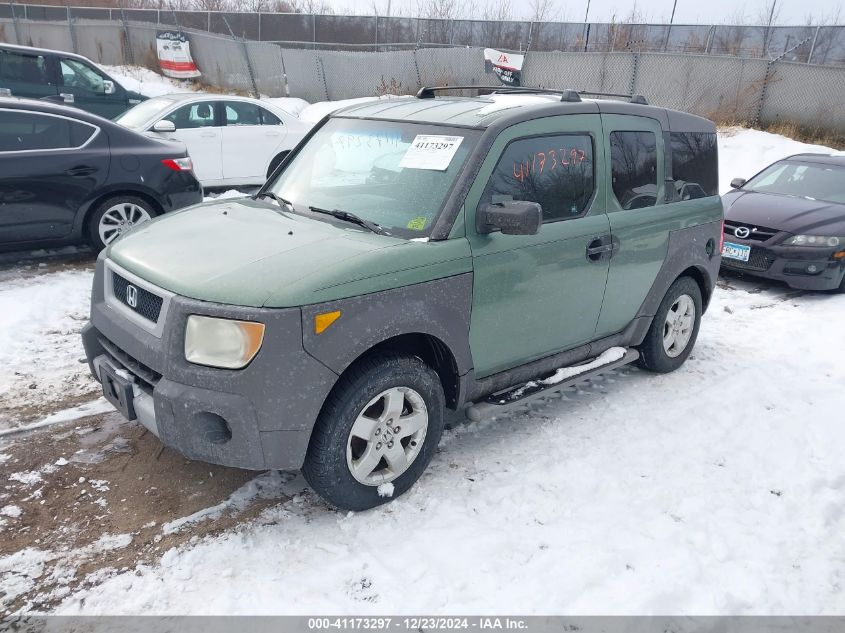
[(109, 87), (164, 126), (514, 217), (738, 183)]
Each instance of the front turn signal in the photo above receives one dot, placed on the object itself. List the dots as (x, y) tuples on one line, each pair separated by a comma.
[(324, 320)]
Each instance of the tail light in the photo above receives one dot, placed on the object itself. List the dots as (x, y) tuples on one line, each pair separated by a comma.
[(178, 164)]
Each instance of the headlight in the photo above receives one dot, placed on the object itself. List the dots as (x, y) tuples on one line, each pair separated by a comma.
[(222, 342), (813, 240)]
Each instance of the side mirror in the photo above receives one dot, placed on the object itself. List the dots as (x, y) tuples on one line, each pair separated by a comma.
[(738, 183), (164, 126), (108, 87), (514, 217)]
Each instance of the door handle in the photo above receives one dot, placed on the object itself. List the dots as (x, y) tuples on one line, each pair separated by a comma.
[(600, 248), (81, 170), (208, 134)]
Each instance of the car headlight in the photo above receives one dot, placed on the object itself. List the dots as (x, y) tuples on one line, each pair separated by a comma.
[(224, 343), (814, 240)]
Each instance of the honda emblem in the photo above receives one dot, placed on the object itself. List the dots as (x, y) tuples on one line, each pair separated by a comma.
[(132, 296)]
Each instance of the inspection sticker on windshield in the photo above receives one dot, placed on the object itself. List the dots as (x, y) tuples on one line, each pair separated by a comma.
[(431, 151)]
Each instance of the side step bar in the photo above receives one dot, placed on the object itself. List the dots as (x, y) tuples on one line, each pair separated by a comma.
[(515, 397)]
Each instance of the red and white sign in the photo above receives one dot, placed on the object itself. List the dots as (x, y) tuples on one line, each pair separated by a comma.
[(506, 66), (174, 55)]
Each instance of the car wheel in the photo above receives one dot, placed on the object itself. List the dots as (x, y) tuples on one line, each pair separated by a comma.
[(275, 163), (114, 217), (377, 432), (841, 288), (674, 329)]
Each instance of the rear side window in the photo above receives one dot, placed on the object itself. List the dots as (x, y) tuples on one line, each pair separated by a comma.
[(695, 167), (31, 69), (241, 113), (633, 158), (268, 118), (192, 116), (21, 131), (555, 171)]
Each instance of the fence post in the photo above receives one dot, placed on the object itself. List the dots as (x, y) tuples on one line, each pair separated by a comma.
[(322, 72), (284, 70), (15, 23), (246, 56), (813, 45), (634, 73), (417, 68), (71, 29), (130, 54)]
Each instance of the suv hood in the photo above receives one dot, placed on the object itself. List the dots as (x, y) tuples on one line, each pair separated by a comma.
[(250, 253), (785, 213)]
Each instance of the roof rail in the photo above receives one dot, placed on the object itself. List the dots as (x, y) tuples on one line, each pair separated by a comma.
[(633, 98), (569, 95), (428, 92)]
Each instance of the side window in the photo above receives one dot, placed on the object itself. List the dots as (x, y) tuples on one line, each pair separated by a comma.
[(555, 171), (21, 131), (695, 168), (192, 116), (75, 74), (242, 113), (633, 159), (268, 118), (31, 69)]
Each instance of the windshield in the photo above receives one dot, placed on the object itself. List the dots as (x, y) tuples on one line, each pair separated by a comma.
[(141, 114), (394, 174), (806, 180)]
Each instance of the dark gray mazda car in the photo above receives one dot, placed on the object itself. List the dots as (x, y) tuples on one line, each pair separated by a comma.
[(788, 223)]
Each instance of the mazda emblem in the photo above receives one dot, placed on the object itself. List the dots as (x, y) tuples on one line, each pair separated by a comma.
[(132, 296), (742, 232)]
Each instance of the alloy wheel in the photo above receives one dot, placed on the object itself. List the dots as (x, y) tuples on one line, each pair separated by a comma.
[(120, 218), (678, 327)]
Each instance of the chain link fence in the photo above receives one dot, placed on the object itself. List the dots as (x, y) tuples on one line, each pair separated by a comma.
[(817, 44), (725, 88)]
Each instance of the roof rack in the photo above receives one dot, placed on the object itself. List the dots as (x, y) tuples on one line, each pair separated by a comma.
[(568, 95)]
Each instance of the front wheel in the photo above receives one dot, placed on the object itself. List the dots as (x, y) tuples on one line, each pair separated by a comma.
[(376, 433), (674, 329), (114, 217)]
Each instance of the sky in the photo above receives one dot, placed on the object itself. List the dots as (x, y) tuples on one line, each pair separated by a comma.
[(688, 11)]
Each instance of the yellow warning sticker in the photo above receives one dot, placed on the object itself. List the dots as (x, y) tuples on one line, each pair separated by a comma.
[(417, 224)]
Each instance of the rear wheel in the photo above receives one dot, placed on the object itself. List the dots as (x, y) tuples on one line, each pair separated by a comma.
[(377, 432), (674, 329), (114, 217)]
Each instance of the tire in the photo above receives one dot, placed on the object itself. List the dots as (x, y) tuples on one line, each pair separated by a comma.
[(841, 288), (683, 296), (339, 457), (126, 208), (275, 163)]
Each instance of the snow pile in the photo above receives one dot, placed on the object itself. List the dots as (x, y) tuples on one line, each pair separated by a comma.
[(605, 358), (147, 82), (744, 152)]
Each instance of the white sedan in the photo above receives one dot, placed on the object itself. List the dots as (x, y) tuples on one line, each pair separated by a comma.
[(233, 141)]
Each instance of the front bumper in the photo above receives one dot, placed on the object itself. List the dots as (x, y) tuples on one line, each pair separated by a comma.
[(258, 417), (802, 267)]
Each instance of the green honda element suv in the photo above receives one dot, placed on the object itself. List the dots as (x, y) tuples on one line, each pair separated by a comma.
[(412, 259)]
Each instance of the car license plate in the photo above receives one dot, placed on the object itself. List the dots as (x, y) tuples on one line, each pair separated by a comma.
[(118, 391), (736, 251)]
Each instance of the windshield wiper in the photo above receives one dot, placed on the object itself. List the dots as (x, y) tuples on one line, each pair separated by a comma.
[(269, 194), (348, 216)]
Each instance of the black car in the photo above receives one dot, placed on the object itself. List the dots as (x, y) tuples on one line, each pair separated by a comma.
[(39, 73), (788, 223), (67, 176)]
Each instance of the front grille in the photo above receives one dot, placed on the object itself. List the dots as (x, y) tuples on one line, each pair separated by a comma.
[(147, 304), (147, 376), (759, 259), (755, 233)]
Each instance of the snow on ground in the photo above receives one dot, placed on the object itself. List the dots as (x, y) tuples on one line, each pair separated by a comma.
[(744, 152), (147, 82), (40, 348), (713, 490), (716, 489)]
